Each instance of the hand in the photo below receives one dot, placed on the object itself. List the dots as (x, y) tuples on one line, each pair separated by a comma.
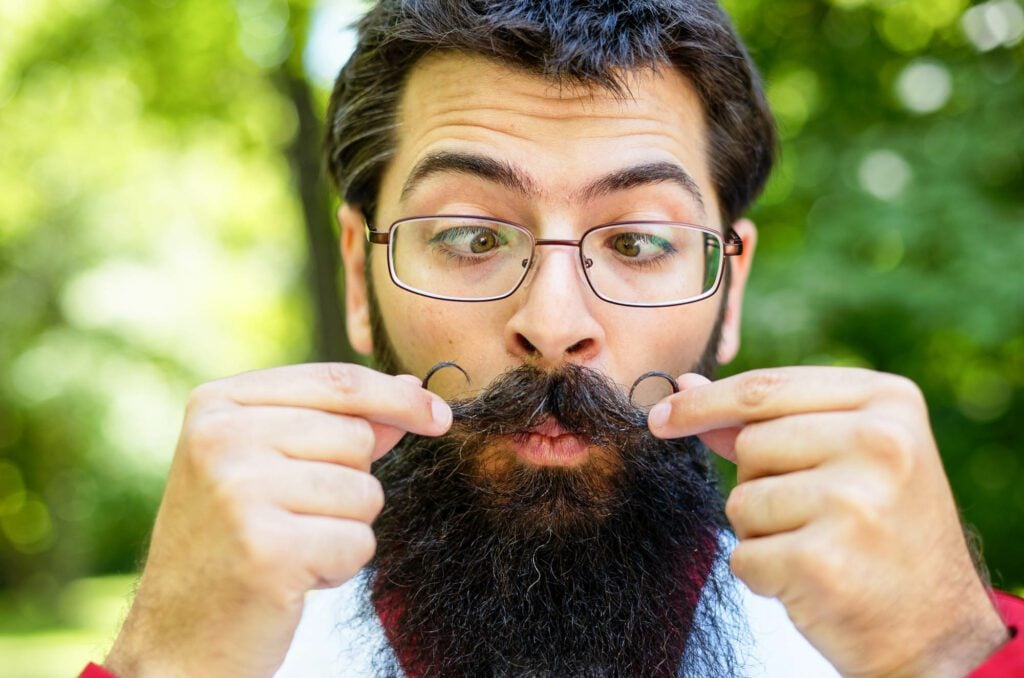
[(844, 513), (269, 495)]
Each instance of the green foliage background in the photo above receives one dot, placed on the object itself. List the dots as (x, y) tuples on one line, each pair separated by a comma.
[(161, 224)]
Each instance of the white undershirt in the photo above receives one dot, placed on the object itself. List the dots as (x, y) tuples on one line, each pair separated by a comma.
[(333, 640)]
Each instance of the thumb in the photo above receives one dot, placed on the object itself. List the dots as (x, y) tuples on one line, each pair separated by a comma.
[(386, 437), (721, 441)]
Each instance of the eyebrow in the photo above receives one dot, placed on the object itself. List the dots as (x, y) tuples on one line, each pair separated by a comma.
[(446, 162), (515, 179)]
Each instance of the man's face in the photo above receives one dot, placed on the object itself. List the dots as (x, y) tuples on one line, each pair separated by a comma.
[(562, 142), (625, 535)]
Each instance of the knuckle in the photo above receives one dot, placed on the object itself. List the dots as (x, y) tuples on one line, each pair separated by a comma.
[(856, 503), (820, 566), (342, 377), (199, 397), (745, 441), (741, 560), (755, 388), (232, 487), (375, 497), (260, 551), (369, 496), (888, 443), (362, 544), (904, 389), (207, 432), (805, 560), (363, 438), (737, 503)]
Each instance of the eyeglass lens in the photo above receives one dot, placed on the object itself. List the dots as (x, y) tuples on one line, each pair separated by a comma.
[(472, 259)]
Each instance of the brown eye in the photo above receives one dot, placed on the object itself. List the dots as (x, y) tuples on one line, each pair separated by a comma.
[(483, 242), (626, 245)]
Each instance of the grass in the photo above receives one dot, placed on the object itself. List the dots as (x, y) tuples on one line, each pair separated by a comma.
[(80, 629)]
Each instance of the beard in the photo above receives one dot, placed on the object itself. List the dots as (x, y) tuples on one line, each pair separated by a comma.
[(488, 566)]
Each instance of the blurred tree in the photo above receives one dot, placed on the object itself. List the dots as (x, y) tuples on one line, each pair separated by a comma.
[(891, 234), (159, 174), (307, 167)]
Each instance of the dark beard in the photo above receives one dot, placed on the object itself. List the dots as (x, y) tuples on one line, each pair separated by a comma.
[(487, 566)]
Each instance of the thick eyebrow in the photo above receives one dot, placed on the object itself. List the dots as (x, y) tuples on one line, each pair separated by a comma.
[(642, 175), (513, 178), (446, 162)]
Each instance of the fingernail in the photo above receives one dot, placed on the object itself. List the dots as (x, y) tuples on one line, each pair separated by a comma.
[(658, 416), (442, 413)]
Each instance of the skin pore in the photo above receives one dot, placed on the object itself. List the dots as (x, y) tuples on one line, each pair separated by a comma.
[(560, 142)]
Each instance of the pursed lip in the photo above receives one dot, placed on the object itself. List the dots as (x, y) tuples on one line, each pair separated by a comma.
[(548, 444)]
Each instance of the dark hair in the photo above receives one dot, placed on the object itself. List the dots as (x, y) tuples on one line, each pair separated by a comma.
[(587, 42)]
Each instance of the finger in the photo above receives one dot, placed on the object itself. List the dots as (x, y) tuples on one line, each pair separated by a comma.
[(721, 441), (763, 563), (319, 488), (690, 380), (314, 435), (760, 395), (793, 443), (341, 388), (332, 549), (774, 504)]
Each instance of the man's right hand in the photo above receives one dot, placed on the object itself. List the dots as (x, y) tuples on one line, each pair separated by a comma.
[(269, 495)]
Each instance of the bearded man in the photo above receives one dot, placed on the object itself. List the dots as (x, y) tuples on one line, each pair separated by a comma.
[(550, 193)]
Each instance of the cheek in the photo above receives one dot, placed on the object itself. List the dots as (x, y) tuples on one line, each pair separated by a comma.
[(670, 340), (426, 331), (422, 332)]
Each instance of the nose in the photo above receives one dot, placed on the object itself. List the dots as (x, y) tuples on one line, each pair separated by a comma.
[(554, 322)]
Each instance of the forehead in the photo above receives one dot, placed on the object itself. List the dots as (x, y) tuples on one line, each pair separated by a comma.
[(563, 136)]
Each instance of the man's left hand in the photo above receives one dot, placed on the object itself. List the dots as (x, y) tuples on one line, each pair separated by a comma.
[(844, 513)]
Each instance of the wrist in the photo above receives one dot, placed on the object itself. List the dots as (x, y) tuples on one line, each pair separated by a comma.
[(962, 647), (133, 654)]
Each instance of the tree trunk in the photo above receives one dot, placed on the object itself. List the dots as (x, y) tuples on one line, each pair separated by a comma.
[(323, 266)]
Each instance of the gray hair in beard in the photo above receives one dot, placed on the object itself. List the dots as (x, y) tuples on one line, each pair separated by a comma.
[(488, 566)]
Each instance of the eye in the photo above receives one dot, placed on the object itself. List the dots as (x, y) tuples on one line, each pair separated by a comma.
[(626, 244), (483, 242)]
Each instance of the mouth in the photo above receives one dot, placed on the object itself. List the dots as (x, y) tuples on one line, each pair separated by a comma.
[(548, 444)]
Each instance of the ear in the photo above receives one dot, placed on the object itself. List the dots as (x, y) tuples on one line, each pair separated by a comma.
[(739, 269), (357, 302)]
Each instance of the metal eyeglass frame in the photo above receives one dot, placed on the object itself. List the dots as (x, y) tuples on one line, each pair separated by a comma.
[(730, 246)]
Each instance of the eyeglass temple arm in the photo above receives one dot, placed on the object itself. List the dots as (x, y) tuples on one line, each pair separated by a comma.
[(733, 244), (376, 237)]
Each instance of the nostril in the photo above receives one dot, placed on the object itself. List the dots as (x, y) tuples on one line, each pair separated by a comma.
[(525, 344), (579, 347)]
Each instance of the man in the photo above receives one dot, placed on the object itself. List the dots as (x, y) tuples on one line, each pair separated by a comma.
[(550, 194)]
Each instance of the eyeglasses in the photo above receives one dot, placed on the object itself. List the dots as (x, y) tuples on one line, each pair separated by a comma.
[(634, 263)]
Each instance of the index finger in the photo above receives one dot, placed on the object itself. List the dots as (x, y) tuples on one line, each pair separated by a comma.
[(342, 388), (760, 395)]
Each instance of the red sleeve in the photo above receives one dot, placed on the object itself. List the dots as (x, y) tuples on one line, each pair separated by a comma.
[(1009, 659), (95, 671)]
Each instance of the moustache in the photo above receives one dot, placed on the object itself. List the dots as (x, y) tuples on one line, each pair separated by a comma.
[(583, 401)]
